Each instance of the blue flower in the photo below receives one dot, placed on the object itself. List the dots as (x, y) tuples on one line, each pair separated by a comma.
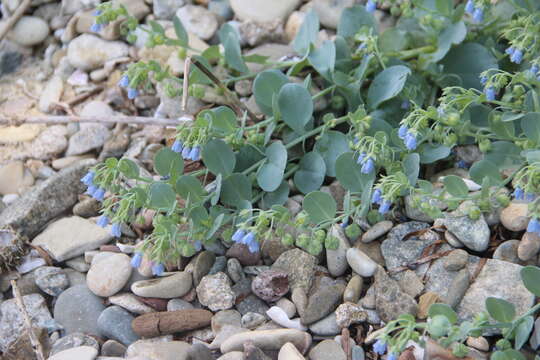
[(469, 8), (248, 239), (517, 56), (197, 245), (97, 12), (377, 196), (371, 6), (534, 226), (99, 194), (158, 269), (462, 164), (361, 158), (490, 93), (478, 15), (132, 93), (195, 153), (103, 221), (534, 69), (519, 193), (362, 46), (410, 141), (91, 190), (379, 347), (136, 260), (124, 81), (116, 230), (385, 206), (185, 152), (402, 132), (344, 224), (253, 246), (529, 197), (392, 356), (483, 80), (509, 50), (177, 146), (238, 235), (368, 166), (405, 104), (88, 179), (96, 27)]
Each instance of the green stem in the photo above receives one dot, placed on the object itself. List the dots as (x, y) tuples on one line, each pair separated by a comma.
[(412, 53)]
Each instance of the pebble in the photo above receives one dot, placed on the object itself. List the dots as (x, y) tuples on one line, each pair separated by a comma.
[(87, 208), (167, 287), (349, 313), (377, 230), (70, 237), (292, 26), (299, 266), (90, 137), (336, 260), (252, 304), (29, 31), (353, 289), (13, 179), (115, 323), (214, 291), (178, 304), (507, 251), (252, 320), (479, 343), (88, 52), (327, 350), (322, 301), (165, 9), (77, 310), (51, 95), (109, 275), (289, 352), (131, 303), (263, 11), (234, 270), (514, 216), (529, 246), (242, 253), (327, 326), (361, 263), (410, 283), (198, 20), (73, 340), (268, 340), (113, 348), (456, 260), (51, 280), (158, 349), (287, 306), (202, 265), (474, 234), (79, 353), (270, 285), (458, 287), (391, 301)]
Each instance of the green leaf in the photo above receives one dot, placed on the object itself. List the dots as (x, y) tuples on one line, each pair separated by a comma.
[(218, 157), (189, 187), (387, 84), (310, 174), (530, 275), (128, 168), (224, 120), (411, 167), (181, 33), (393, 39), (162, 196), (323, 59), (523, 331), (168, 163), (295, 106), (485, 168), (331, 145), (500, 310), (445, 310), (454, 34), (270, 174), (216, 193), (276, 197), (467, 61), (235, 190), (530, 124), (307, 34), (267, 85), (353, 19), (230, 40), (430, 153), (320, 206), (215, 226), (455, 186), (349, 175)]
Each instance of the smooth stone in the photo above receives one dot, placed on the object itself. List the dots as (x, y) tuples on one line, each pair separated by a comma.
[(252, 320), (109, 275), (242, 253), (113, 348), (75, 277), (353, 289), (327, 326), (287, 306), (61, 163), (12, 178), (456, 260), (262, 11), (79, 353), (167, 287), (390, 300), (225, 318), (322, 301), (458, 288), (377, 230), (300, 299), (87, 208), (131, 303), (214, 291), (268, 340), (202, 265), (507, 251), (329, 11), (90, 137), (70, 237), (88, 52), (410, 283), (77, 310), (336, 260), (198, 20), (96, 108), (327, 350), (51, 280), (361, 263), (178, 304), (289, 352), (479, 343), (165, 9), (514, 216), (235, 271), (529, 246), (73, 340), (474, 234), (51, 94), (115, 323), (299, 266), (534, 340), (158, 350), (29, 31), (233, 355), (278, 315)]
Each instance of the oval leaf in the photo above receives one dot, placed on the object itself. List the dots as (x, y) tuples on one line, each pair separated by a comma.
[(320, 206), (485, 169), (530, 275), (266, 85), (295, 106), (445, 310), (387, 84), (162, 196), (331, 145), (501, 310), (168, 163), (349, 175), (455, 186), (276, 197), (310, 174), (235, 190), (270, 174), (189, 187), (218, 157)]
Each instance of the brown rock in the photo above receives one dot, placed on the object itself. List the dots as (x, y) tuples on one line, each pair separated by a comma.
[(170, 322), (514, 216), (270, 285), (425, 301), (242, 253), (529, 246)]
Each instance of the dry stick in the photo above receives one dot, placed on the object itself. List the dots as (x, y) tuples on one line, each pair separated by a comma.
[(185, 85), (110, 119), (14, 18), (38, 348)]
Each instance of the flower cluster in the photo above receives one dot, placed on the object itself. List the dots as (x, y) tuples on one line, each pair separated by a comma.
[(132, 92), (516, 54), (247, 238), (380, 348), (99, 24), (520, 194), (371, 6), (93, 190), (408, 137), (157, 268), (188, 153), (477, 12), (384, 204), (367, 162)]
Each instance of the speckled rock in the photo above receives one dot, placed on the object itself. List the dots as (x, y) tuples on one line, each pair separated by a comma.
[(299, 266), (507, 251), (51, 280), (214, 291), (390, 300), (322, 301), (474, 234), (529, 246), (73, 340), (270, 285), (349, 313), (456, 260), (132, 304)]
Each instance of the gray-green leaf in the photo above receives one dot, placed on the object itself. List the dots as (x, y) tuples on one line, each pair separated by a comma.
[(320, 206), (387, 84), (295, 105)]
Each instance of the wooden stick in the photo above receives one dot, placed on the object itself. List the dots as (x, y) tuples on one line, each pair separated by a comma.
[(185, 88), (170, 322), (14, 18), (111, 120), (38, 348)]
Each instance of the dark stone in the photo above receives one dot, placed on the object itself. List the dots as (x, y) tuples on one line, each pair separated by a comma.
[(242, 253), (9, 61), (115, 323), (323, 300), (252, 304)]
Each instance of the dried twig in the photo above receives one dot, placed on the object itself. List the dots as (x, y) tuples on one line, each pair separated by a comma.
[(14, 18), (38, 348), (111, 120), (420, 261), (185, 88), (80, 98)]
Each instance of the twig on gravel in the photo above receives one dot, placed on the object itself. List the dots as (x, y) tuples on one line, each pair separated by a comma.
[(80, 98), (110, 119), (14, 18), (38, 348), (185, 88), (419, 262)]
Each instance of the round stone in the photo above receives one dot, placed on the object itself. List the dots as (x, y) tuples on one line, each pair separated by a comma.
[(262, 10), (198, 20), (361, 263), (456, 260), (29, 31), (507, 251), (514, 216), (108, 276), (115, 323), (77, 310), (529, 246), (214, 291)]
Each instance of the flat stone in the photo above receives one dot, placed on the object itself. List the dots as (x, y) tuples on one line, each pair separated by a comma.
[(202, 265), (327, 326), (299, 266), (214, 291), (70, 237), (263, 11), (77, 310), (327, 350), (390, 301), (131, 303), (158, 350), (178, 304), (12, 178), (90, 137), (253, 320), (29, 31), (79, 353), (73, 340), (167, 287), (198, 20), (113, 348), (252, 304), (336, 260), (89, 52), (289, 352), (109, 275), (322, 302), (268, 340), (51, 280), (115, 323), (474, 234), (377, 230), (411, 284), (458, 288), (361, 263), (456, 260), (165, 9), (51, 94), (396, 251)]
